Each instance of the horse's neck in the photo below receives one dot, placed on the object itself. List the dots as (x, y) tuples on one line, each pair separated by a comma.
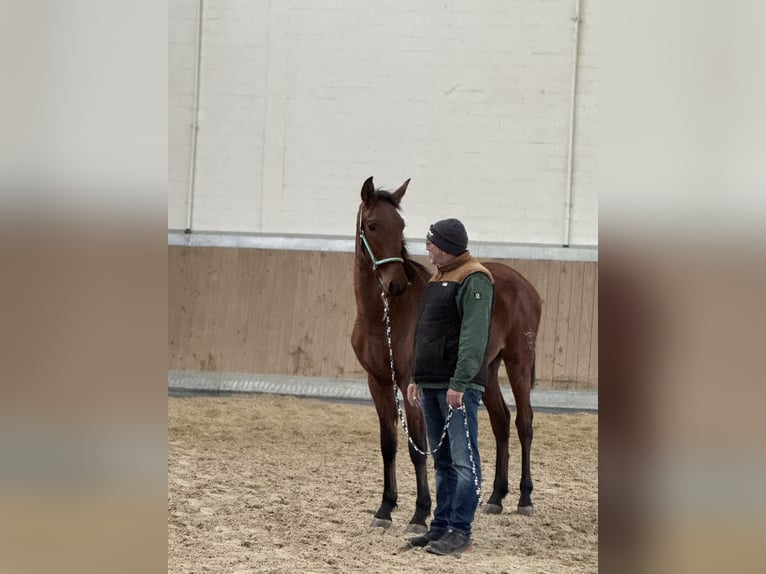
[(368, 292)]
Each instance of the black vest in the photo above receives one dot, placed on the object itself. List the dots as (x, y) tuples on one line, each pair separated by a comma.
[(437, 336)]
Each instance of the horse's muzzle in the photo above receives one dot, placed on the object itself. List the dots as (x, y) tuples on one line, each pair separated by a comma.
[(394, 289)]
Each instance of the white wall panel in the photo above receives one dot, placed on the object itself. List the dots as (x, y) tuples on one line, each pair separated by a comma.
[(303, 100), (232, 114), (182, 32), (584, 228)]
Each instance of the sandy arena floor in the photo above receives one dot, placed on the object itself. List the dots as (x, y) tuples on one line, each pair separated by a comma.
[(264, 483)]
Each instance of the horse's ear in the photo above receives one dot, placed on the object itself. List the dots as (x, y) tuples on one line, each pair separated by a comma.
[(368, 191), (399, 193)]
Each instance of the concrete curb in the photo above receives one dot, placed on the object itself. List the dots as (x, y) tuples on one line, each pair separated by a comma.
[(193, 382)]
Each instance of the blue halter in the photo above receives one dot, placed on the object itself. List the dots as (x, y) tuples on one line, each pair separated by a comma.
[(375, 262)]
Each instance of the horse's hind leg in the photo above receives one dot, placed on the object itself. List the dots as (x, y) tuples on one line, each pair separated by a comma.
[(417, 429), (521, 385), (500, 419), (382, 396)]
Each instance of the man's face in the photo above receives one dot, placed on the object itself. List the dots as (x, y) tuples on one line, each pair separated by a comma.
[(436, 255)]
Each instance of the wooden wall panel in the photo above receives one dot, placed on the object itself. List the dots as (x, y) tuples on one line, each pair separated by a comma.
[(568, 324), (588, 326), (546, 346), (593, 367), (291, 312)]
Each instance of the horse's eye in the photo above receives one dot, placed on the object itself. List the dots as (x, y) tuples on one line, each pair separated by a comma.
[(371, 227)]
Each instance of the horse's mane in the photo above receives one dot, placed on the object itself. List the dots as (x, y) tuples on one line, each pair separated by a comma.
[(387, 196), (415, 269), (412, 268)]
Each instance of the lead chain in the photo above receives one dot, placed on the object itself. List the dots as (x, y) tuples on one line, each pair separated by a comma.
[(387, 319)]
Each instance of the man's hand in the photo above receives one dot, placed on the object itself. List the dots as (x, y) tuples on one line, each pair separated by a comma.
[(454, 398), (413, 395)]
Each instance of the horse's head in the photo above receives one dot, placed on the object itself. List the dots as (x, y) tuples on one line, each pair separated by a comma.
[(380, 231)]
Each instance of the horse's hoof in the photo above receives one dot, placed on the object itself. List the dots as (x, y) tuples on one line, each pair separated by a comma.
[(380, 523), (526, 510), (415, 529), (492, 509)]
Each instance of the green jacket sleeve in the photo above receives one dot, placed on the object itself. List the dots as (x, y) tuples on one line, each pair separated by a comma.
[(474, 298)]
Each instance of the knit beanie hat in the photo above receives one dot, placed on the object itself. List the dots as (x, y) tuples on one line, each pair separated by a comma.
[(449, 235)]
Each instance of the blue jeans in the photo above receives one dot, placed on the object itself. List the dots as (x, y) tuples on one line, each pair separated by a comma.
[(456, 497)]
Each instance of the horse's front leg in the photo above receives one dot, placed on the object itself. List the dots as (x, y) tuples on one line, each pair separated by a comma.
[(417, 428), (383, 397)]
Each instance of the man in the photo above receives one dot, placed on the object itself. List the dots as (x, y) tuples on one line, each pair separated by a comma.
[(450, 370)]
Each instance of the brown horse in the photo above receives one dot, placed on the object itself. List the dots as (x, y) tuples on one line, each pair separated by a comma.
[(382, 262)]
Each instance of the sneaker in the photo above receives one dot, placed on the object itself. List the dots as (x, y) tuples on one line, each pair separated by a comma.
[(451, 543), (432, 535)]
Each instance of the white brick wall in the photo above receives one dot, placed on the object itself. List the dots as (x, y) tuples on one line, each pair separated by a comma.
[(303, 100), (182, 29), (584, 225)]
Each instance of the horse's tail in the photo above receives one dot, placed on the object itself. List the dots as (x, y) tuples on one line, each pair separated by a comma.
[(532, 373)]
